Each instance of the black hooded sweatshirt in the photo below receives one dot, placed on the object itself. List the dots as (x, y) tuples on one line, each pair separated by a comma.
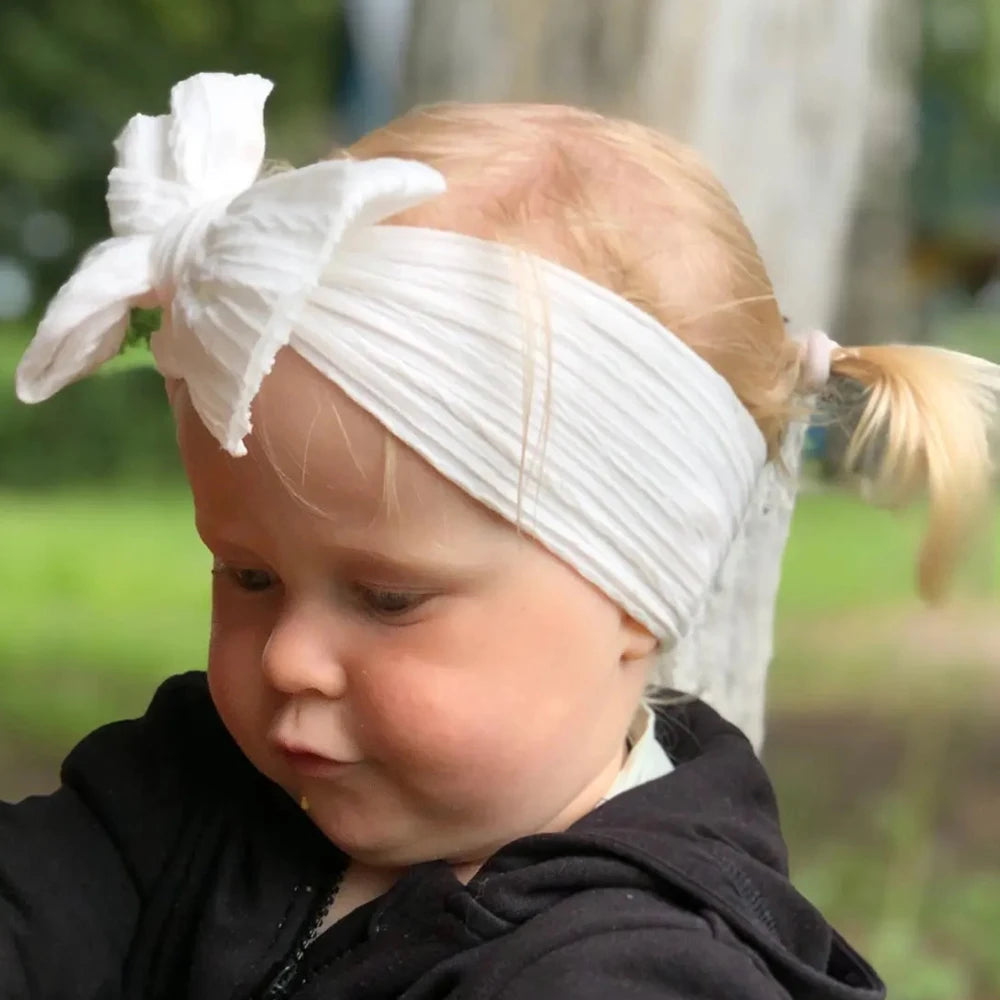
[(167, 868)]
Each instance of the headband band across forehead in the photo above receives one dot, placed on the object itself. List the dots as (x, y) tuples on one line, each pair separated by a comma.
[(549, 398)]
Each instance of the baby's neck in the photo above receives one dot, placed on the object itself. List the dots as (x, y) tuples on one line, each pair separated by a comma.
[(359, 884)]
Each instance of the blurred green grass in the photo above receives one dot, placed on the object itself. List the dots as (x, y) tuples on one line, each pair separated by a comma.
[(102, 595)]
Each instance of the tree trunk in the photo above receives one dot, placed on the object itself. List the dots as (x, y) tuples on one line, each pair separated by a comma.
[(777, 95), (880, 305)]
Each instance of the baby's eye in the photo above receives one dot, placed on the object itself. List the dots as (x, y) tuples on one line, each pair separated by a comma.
[(389, 603), (252, 580)]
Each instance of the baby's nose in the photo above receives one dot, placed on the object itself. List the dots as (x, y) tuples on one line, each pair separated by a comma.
[(299, 656)]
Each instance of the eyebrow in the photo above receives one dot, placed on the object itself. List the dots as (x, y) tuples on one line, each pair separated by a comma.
[(404, 566), (363, 560)]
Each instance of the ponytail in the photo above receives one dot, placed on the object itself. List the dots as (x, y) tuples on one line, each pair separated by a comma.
[(920, 420)]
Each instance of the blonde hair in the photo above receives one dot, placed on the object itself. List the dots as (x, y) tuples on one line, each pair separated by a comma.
[(922, 424), (641, 214)]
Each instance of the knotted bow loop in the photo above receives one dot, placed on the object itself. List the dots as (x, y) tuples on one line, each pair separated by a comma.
[(230, 261), (175, 175), (209, 148), (180, 246)]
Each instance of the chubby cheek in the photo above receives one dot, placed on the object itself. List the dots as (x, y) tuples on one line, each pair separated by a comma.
[(244, 702), (433, 722), (475, 703), (445, 750)]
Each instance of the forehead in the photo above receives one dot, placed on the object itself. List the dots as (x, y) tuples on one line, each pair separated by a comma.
[(315, 452)]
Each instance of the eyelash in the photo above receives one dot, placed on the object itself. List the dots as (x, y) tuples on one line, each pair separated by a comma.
[(240, 577), (374, 600)]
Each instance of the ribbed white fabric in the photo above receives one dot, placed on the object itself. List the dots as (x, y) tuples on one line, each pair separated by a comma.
[(549, 398), (636, 462)]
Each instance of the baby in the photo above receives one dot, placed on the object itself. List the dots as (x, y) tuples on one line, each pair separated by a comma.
[(473, 416)]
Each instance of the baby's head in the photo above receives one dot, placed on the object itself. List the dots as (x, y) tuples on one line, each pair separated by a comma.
[(374, 614), (496, 392)]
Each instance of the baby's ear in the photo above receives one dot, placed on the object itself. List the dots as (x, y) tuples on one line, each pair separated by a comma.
[(639, 643)]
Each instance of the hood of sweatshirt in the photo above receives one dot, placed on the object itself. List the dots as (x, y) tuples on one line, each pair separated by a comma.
[(702, 841), (706, 835), (676, 888)]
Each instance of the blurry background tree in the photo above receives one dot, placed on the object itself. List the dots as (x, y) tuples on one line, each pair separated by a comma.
[(956, 250), (812, 114), (807, 111), (789, 102)]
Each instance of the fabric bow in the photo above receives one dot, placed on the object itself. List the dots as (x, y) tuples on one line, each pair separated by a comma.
[(229, 258)]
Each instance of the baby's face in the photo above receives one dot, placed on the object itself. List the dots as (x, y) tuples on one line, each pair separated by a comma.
[(458, 685)]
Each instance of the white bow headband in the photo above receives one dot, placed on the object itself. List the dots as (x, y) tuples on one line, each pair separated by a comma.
[(641, 462)]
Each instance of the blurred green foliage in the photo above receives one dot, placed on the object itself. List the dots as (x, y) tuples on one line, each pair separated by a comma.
[(103, 592), (957, 182), (114, 427), (73, 73)]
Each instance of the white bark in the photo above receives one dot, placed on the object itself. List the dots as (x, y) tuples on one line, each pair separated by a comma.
[(779, 110), (776, 95)]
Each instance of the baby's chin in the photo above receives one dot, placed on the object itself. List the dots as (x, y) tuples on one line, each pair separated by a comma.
[(378, 843)]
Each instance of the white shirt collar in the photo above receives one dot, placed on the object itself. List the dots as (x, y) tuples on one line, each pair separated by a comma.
[(646, 760)]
